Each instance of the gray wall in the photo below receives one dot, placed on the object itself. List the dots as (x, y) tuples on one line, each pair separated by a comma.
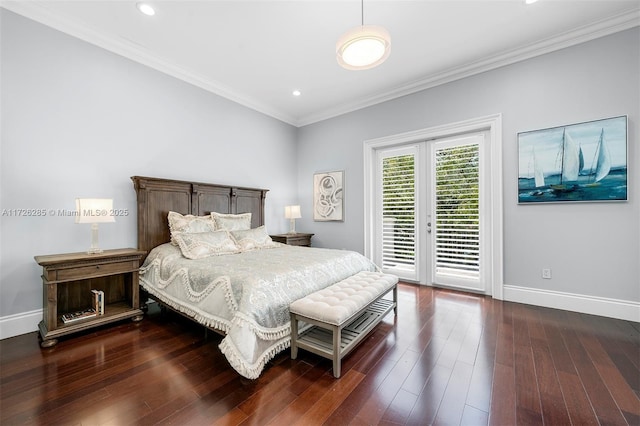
[(592, 248), (78, 121)]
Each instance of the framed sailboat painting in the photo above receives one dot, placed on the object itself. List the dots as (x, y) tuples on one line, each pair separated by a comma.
[(577, 162)]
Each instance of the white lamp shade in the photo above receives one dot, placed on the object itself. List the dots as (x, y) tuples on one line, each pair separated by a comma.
[(292, 212), (363, 47), (94, 210)]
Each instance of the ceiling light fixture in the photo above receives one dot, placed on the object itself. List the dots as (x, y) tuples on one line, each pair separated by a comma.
[(530, 1), (296, 93), (363, 47), (146, 8)]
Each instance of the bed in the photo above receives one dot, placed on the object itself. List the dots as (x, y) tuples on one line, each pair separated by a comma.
[(244, 291)]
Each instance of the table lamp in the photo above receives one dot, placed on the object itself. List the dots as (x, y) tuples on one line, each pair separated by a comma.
[(292, 213), (94, 211)]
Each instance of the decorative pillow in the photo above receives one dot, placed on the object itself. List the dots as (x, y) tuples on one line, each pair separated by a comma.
[(250, 239), (205, 244), (231, 222), (189, 224)]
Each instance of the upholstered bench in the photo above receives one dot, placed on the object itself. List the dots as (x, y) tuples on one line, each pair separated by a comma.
[(342, 315)]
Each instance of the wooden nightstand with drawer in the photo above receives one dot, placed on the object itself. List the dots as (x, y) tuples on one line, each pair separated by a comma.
[(67, 284), (297, 239)]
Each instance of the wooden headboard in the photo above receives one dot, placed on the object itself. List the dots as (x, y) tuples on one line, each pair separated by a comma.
[(156, 197)]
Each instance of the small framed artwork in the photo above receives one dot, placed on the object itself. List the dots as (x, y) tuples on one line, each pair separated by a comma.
[(328, 196), (577, 162)]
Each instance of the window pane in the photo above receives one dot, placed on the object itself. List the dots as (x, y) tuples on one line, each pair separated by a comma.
[(457, 230), (398, 209)]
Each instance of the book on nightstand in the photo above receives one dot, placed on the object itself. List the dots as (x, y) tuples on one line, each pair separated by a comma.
[(98, 301), (79, 315)]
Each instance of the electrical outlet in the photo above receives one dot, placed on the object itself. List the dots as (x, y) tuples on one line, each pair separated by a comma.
[(546, 274)]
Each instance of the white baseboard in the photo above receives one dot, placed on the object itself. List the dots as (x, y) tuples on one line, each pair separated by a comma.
[(27, 322), (602, 306), (15, 325)]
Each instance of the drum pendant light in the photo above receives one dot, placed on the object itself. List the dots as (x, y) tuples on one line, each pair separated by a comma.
[(363, 47)]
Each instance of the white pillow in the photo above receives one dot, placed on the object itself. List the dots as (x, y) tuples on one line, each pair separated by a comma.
[(251, 239), (231, 222), (205, 244), (189, 224)]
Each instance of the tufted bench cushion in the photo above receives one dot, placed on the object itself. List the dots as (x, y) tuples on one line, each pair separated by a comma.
[(341, 315), (338, 303)]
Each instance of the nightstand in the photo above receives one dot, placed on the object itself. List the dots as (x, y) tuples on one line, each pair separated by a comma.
[(297, 239), (67, 281)]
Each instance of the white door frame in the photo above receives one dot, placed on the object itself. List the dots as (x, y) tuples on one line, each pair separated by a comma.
[(491, 124)]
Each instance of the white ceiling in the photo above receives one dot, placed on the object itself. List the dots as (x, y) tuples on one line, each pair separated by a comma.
[(257, 52)]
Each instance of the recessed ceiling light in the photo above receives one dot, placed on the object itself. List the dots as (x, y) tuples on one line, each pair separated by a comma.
[(296, 93), (146, 8), (530, 1)]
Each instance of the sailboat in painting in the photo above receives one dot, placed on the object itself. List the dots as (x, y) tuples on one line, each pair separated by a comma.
[(538, 173), (602, 159), (572, 162)]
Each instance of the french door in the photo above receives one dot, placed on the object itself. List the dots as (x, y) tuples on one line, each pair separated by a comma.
[(456, 227), (396, 204), (430, 204)]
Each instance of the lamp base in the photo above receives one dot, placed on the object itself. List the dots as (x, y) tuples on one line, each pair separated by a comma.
[(94, 249), (292, 227)]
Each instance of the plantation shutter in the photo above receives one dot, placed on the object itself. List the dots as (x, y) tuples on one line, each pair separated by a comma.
[(398, 211), (457, 225)]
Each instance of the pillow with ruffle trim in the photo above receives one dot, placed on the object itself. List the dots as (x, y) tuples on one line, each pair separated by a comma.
[(251, 239), (231, 222), (205, 244), (189, 224)]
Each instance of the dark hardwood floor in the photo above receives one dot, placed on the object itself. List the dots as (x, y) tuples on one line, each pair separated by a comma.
[(447, 358)]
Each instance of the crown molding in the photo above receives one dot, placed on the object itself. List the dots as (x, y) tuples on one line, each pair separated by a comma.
[(580, 35), (121, 46)]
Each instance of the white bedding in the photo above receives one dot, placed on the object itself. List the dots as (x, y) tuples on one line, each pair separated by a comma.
[(246, 295)]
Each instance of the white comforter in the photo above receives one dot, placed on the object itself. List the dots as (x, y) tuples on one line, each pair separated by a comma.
[(246, 295)]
